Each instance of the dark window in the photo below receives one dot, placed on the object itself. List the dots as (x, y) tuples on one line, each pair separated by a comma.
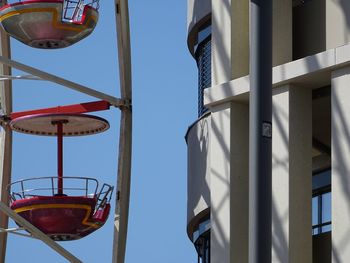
[(202, 245), (321, 202), (203, 58), (201, 241)]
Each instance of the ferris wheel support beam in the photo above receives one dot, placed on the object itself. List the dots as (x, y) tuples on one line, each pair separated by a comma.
[(5, 138), (63, 82), (125, 138), (38, 234)]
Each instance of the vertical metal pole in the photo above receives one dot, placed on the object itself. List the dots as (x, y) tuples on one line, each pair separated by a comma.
[(5, 136), (260, 187), (121, 214), (60, 157)]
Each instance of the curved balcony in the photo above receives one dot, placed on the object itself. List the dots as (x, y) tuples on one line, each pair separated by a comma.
[(198, 171), (198, 14)]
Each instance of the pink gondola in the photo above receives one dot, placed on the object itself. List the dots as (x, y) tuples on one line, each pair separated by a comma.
[(64, 208)]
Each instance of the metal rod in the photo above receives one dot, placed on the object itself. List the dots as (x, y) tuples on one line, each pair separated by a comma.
[(38, 234), (25, 77), (6, 135), (260, 185), (125, 138), (66, 83), (60, 157), (123, 188), (9, 230)]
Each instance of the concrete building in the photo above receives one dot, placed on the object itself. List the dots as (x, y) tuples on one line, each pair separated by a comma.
[(310, 131)]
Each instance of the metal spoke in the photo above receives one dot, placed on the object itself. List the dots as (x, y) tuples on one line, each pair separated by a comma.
[(125, 138), (37, 233)]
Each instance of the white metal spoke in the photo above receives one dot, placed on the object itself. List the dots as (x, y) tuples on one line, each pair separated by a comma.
[(61, 81), (24, 77), (37, 233), (8, 230), (125, 138)]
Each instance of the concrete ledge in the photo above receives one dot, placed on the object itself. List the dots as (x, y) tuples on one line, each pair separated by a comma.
[(311, 72)]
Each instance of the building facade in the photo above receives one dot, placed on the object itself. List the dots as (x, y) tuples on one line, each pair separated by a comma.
[(310, 131)]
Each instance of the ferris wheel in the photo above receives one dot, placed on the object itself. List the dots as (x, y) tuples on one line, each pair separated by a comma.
[(62, 208)]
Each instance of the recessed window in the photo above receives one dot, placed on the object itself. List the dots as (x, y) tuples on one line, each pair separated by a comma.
[(203, 58), (321, 202), (201, 241), (203, 248)]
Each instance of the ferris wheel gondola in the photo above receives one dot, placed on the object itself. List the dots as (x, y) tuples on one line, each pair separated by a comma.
[(64, 208), (49, 24)]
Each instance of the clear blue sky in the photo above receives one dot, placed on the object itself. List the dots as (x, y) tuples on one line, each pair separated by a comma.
[(164, 105)]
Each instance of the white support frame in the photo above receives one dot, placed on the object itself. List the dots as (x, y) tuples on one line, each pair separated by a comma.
[(25, 77), (125, 138), (61, 81), (15, 231), (38, 234)]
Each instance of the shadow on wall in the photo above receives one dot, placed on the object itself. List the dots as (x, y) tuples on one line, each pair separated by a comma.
[(199, 13), (220, 241), (345, 7), (279, 238), (198, 176), (338, 147)]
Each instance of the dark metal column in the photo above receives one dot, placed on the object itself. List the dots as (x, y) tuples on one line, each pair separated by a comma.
[(60, 157), (260, 187), (59, 126)]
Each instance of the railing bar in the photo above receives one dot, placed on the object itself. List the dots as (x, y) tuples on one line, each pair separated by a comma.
[(49, 177), (22, 186), (86, 187), (52, 187), (322, 225), (96, 188), (36, 191)]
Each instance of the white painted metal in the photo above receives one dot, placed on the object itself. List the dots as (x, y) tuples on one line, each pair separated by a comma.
[(14, 231), (26, 77), (8, 230), (124, 161), (125, 139), (5, 138), (21, 234), (37, 233), (66, 83)]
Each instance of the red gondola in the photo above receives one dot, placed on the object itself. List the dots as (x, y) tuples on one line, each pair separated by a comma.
[(64, 208)]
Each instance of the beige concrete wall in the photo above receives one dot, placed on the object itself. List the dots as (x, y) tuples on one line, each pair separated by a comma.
[(220, 179), (239, 38), (291, 175), (239, 192), (338, 23), (221, 57), (230, 40), (198, 12), (282, 32), (340, 93), (198, 176), (229, 183)]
